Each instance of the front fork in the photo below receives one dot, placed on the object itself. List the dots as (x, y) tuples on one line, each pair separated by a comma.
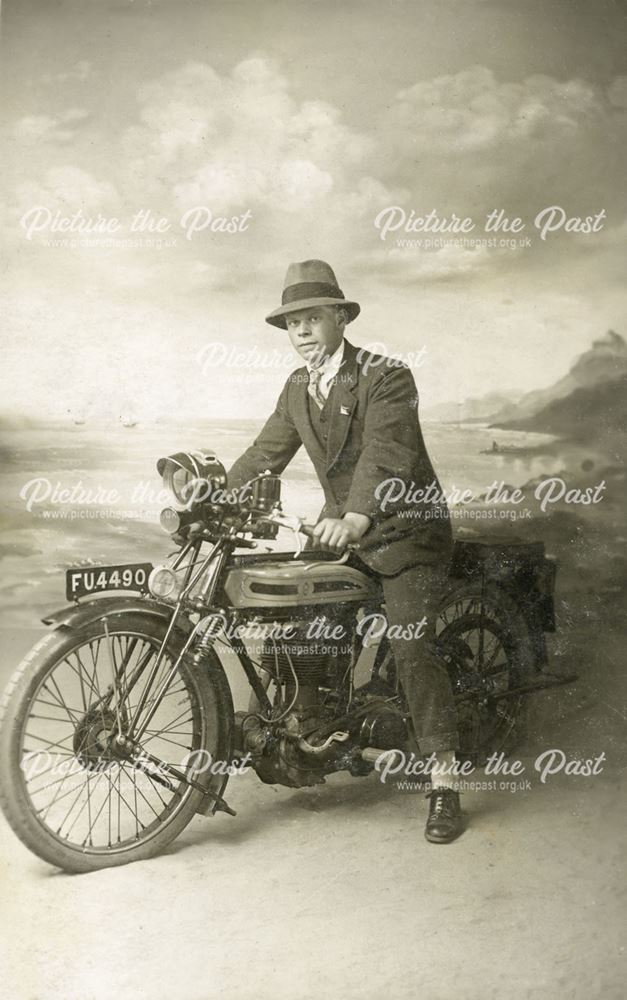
[(219, 553), (128, 745)]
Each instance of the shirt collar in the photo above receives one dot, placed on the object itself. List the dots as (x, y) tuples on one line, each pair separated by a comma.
[(331, 365)]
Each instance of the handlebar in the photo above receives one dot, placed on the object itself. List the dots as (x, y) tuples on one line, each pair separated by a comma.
[(299, 527), (185, 526)]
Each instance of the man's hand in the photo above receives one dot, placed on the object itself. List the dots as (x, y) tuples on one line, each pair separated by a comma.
[(335, 533)]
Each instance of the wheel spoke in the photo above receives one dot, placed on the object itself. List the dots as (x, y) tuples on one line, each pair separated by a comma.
[(51, 784), (68, 813), (109, 810), (48, 718), (175, 743), (119, 803), (178, 721), (51, 746), (123, 799), (134, 778), (57, 796), (80, 673), (96, 818), (61, 704)]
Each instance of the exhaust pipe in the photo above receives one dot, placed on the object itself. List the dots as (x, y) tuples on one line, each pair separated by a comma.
[(372, 754)]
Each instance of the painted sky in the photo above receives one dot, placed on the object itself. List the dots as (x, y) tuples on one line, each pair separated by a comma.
[(306, 119)]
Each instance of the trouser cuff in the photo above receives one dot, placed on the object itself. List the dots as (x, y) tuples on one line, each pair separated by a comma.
[(439, 743)]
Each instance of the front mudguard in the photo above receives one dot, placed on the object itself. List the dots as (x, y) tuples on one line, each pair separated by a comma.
[(74, 616)]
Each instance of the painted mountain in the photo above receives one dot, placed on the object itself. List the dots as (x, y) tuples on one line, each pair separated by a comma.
[(590, 401)]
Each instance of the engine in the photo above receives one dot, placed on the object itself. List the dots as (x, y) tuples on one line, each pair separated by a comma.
[(303, 654), (317, 731), (323, 724)]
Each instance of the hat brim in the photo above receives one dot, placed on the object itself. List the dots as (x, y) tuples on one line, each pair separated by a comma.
[(277, 317)]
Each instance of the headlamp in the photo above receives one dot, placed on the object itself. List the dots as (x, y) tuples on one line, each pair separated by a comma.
[(170, 520), (164, 583), (192, 476)]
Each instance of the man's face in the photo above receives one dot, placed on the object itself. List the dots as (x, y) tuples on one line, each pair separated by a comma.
[(315, 333)]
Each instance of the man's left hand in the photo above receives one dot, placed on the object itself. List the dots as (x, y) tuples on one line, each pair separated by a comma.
[(335, 533)]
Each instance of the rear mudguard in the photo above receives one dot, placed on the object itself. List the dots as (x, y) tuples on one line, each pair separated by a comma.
[(76, 615), (523, 571)]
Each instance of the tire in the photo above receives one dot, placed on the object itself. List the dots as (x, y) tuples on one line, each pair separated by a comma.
[(50, 674), (490, 717)]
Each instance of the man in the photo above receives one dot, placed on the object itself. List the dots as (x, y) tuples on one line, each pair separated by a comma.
[(356, 413)]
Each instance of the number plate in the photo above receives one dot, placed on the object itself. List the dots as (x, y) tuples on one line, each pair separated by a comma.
[(95, 579)]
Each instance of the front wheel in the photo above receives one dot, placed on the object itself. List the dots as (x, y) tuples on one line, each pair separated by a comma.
[(69, 788)]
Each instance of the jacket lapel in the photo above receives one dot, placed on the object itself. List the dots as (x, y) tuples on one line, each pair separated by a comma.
[(344, 401), (302, 418)]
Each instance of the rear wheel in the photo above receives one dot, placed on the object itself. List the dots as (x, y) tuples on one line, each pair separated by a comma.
[(75, 789), (484, 639)]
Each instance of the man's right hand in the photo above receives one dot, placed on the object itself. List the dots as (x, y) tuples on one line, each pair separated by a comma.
[(335, 533)]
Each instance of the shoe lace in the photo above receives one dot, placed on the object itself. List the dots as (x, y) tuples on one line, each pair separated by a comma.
[(443, 804)]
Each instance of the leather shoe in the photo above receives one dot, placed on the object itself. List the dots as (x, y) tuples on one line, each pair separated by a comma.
[(445, 821)]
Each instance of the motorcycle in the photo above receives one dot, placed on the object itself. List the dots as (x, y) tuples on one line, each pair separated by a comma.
[(119, 726)]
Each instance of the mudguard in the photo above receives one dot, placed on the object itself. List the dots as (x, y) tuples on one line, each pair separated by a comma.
[(523, 569), (76, 615)]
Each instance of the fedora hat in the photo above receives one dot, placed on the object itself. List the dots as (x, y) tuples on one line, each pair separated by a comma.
[(310, 283)]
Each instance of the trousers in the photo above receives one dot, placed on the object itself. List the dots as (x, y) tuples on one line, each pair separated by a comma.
[(410, 596)]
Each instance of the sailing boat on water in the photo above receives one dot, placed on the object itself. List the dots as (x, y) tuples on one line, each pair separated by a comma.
[(78, 416), (128, 416)]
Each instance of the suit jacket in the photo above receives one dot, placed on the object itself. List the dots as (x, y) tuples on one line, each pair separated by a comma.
[(374, 435)]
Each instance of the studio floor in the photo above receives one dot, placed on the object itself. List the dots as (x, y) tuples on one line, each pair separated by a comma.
[(333, 892)]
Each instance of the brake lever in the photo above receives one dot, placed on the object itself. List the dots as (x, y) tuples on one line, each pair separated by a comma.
[(297, 525)]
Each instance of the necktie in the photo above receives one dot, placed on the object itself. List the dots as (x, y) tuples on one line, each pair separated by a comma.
[(314, 389)]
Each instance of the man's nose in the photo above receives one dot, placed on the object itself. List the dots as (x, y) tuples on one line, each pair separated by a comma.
[(304, 329)]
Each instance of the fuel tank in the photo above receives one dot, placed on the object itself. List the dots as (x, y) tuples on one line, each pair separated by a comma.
[(294, 583)]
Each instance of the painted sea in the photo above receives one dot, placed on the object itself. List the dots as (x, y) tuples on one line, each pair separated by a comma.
[(76, 494), (46, 468)]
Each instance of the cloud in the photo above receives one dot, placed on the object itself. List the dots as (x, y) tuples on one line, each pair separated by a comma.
[(50, 128), (81, 71), (447, 262), (67, 189), (465, 142), (404, 266), (314, 182), (617, 92), (469, 142), (241, 140), (471, 111)]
